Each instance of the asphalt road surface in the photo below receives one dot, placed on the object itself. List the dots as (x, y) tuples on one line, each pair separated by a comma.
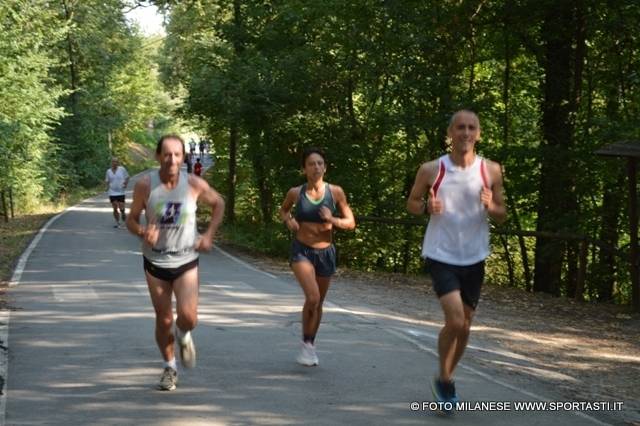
[(81, 349)]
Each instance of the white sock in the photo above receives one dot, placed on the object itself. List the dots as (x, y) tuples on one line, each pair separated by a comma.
[(171, 363), (183, 336)]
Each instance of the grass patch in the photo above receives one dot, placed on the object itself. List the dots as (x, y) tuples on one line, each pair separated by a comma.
[(14, 237)]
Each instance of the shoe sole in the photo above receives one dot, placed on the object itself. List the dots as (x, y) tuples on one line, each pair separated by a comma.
[(307, 364), (165, 389)]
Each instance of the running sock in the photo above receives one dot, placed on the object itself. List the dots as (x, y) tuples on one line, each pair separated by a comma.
[(183, 336), (306, 338), (171, 363)]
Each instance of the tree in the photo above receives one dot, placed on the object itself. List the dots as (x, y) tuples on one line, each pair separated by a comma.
[(29, 98)]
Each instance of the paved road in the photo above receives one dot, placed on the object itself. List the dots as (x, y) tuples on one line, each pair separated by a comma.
[(81, 348)]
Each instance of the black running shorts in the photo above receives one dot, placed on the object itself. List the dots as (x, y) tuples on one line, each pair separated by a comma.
[(447, 278), (113, 198), (168, 274)]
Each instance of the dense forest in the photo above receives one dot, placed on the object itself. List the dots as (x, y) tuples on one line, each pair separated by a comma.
[(372, 82), (77, 83)]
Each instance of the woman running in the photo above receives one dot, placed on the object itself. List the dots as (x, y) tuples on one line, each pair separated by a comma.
[(313, 255)]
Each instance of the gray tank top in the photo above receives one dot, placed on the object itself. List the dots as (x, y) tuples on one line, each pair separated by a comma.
[(308, 210), (174, 211)]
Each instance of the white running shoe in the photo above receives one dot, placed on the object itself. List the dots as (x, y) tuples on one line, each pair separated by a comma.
[(307, 355), (187, 349)]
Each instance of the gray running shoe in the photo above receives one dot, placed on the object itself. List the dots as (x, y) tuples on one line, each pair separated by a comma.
[(168, 380)]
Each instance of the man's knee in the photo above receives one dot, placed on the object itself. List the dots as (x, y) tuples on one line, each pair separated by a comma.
[(189, 321), (187, 317)]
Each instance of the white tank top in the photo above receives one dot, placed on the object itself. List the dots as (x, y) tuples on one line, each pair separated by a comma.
[(460, 235), (174, 211)]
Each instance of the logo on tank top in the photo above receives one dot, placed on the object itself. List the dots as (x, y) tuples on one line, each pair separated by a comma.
[(171, 214)]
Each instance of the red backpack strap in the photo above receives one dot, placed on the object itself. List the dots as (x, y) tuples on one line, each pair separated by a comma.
[(484, 174), (436, 184)]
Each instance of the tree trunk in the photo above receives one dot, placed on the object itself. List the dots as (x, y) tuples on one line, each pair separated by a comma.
[(506, 126), (4, 206), (557, 198), (507, 257), (11, 202), (610, 219), (231, 184), (73, 73), (506, 134), (572, 267), (261, 176), (238, 47)]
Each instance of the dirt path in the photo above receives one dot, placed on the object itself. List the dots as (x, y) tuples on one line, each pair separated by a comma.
[(588, 352)]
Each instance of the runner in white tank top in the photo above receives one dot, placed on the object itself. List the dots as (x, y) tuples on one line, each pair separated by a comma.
[(463, 191), (170, 248), (116, 178), (460, 234)]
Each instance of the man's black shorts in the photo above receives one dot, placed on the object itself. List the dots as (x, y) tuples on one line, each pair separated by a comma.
[(168, 274), (323, 260), (447, 278), (119, 198)]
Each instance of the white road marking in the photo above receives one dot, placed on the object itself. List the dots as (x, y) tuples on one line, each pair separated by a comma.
[(402, 335), (487, 377), (5, 316)]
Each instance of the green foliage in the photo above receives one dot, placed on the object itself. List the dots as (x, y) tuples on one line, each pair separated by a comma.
[(29, 99), (114, 87), (374, 83), (273, 239), (78, 85)]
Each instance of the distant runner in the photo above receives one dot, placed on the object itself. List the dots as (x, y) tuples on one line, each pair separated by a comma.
[(117, 180), (197, 168)]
